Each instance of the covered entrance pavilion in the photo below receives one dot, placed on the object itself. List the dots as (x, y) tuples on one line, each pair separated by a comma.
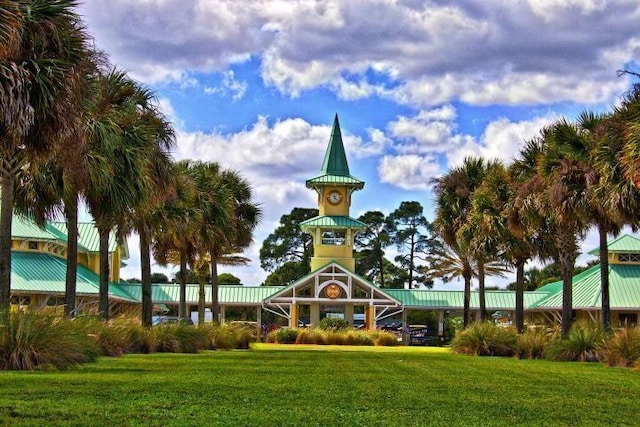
[(332, 291)]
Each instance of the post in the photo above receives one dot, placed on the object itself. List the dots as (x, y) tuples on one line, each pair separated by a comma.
[(405, 328), (259, 322), (440, 327), (293, 318)]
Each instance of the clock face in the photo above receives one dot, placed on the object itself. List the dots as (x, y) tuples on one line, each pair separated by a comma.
[(332, 291), (334, 197)]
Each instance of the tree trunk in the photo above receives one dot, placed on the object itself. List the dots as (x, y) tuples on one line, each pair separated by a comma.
[(567, 253), (604, 280), (103, 303), (215, 304), (381, 261), (6, 218), (201, 300), (182, 307), (466, 314), (481, 297), (520, 295), (145, 267), (411, 252), (71, 214)]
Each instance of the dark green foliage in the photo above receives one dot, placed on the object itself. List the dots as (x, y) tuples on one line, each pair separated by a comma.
[(34, 340), (228, 279), (333, 324), (159, 278), (485, 339), (623, 348), (288, 244), (583, 343), (286, 335)]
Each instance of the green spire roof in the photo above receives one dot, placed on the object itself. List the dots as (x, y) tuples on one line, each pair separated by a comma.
[(335, 168), (335, 159)]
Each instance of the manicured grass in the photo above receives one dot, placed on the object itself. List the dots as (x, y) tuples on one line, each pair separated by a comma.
[(304, 385)]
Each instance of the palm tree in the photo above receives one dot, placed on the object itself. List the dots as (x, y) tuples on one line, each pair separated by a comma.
[(158, 136), (454, 192), (177, 232), (119, 148), (484, 229), (44, 47)]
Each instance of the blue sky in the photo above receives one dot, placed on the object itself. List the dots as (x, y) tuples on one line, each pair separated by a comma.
[(418, 85)]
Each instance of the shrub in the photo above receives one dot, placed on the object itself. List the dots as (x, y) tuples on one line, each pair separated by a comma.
[(333, 324), (335, 338), (165, 339), (532, 344), (310, 336), (35, 340), (485, 339), (141, 340), (582, 344), (286, 335), (623, 348), (358, 338), (384, 338)]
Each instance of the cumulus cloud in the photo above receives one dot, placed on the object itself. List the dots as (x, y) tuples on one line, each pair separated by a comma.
[(228, 86), (417, 53), (409, 171), (502, 139)]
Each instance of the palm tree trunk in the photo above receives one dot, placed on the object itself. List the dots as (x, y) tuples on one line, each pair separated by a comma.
[(201, 300), (520, 295), (466, 314), (481, 297), (604, 279), (182, 306), (6, 217), (145, 267), (103, 297), (215, 304), (71, 215)]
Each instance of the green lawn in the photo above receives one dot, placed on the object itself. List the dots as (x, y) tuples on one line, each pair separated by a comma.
[(276, 386)]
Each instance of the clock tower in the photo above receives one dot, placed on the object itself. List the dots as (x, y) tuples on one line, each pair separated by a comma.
[(333, 230)]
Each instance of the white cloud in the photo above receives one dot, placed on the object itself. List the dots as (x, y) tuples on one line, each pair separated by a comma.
[(417, 53), (501, 139), (409, 172), (229, 86)]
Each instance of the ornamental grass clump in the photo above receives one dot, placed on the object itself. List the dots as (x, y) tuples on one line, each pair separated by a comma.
[(582, 344), (358, 338), (532, 343), (111, 338), (311, 336), (385, 338), (35, 340), (622, 348), (485, 339), (333, 324)]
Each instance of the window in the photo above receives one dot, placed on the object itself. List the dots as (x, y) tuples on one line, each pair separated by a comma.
[(21, 300), (333, 237), (630, 257), (33, 245)]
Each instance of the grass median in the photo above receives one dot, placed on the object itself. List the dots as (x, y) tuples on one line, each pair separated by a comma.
[(322, 385)]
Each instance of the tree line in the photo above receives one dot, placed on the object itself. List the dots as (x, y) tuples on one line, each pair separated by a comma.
[(74, 129)]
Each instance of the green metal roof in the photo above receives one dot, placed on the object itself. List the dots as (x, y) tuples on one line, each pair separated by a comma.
[(426, 298), (169, 293), (326, 179), (23, 227), (88, 236), (333, 222), (625, 244), (624, 289), (335, 158), (45, 273), (335, 168)]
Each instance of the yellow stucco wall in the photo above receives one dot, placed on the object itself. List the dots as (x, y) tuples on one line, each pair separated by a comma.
[(327, 208)]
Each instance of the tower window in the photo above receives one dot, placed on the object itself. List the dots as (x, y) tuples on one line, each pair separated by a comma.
[(33, 245), (333, 237)]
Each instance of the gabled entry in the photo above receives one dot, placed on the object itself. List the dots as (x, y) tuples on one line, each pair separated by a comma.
[(332, 291)]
